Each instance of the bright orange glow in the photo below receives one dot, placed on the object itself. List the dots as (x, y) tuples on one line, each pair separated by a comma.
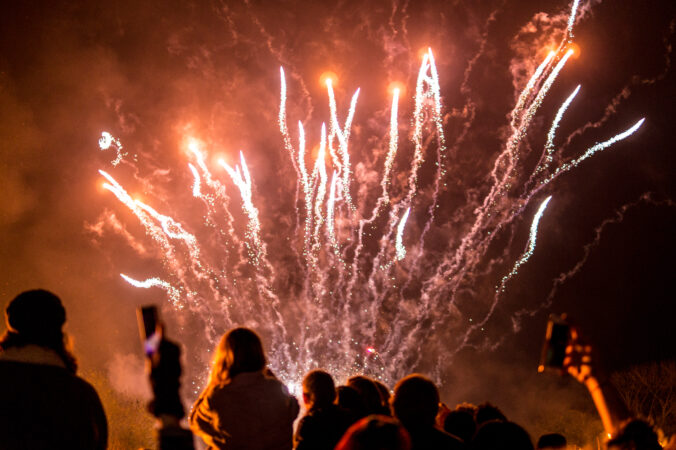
[(328, 76), (422, 52), (575, 48), (217, 159), (193, 145), (397, 85)]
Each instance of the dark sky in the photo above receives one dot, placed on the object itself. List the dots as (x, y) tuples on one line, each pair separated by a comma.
[(153, 73)]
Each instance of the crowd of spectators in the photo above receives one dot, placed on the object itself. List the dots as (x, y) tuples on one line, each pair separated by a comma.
[(45, 405)]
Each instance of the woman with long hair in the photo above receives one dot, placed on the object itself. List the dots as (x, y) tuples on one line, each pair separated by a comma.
[(243, 406)]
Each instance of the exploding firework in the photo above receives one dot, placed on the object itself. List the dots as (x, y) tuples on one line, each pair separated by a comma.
[(367, 290)]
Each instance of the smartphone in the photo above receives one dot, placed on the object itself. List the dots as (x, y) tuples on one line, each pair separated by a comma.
[(148, 325), (557, 339)]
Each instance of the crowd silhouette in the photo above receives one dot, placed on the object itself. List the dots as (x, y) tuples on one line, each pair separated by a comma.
[(45, 405)]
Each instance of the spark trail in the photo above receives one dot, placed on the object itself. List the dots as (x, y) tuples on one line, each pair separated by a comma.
[(341, 290)]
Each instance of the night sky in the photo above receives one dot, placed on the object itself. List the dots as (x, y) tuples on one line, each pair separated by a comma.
[(154, 73)]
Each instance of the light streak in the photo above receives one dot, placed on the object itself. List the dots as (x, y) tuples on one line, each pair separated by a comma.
[(282, 118), (172, 229), (330, 208), (173, 293), (571, 20), (307, 190), (196, 192), (399, 245), (343, 135), (530, 246), (394, 139), (594, 149), (544, 90), (242, 180), (320, 171), (526, 92), (549, 145)]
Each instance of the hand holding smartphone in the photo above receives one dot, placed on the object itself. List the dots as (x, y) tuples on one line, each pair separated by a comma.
[(149, 328), (557, 338)]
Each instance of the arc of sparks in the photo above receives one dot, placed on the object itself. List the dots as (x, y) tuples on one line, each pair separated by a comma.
[(594, 149), (106, 141), (148, 283), (530, 246), (547, 158), (242, 180), (343, 135)]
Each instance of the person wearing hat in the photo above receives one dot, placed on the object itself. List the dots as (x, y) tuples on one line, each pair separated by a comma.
[(43, 403)]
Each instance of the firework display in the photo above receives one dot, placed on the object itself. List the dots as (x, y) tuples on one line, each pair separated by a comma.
[(368, 294)]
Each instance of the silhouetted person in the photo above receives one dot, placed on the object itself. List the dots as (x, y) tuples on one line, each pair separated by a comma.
[(487, 412), (243, 405), (375, 432), (166, 405), (552, 441), (43, 403), (460, 422), (501, 435), (384, 398), (415, 403), (325, 422), (635, 434), (371, 400), (348, 399)]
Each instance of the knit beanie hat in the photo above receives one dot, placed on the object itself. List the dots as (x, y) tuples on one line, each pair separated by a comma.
[(37, 316)]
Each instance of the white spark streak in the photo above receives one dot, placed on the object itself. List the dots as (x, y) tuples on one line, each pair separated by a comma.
[(330, 207), (343, 135), (174, 293), (243, 183), (545, 88), (282, 118), (594, 149), (549, 145), (399, 245), (394, 139), (525, 94), (171, 228), (571, 20), (320, 171), (196, 184), (530, 246)]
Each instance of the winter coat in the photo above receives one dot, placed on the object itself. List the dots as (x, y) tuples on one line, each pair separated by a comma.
[(45, 406), (251, 411)]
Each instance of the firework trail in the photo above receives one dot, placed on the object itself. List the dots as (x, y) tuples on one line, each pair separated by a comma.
[(528, 252), (282, 120), (547, 156), (563, 277), (399, 245), (243, 183), (343, 135), (592, 150), (173, 293), (394, 139), (530, 248)]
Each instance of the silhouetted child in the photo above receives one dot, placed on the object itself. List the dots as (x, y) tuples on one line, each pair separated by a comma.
[(325, 422)]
